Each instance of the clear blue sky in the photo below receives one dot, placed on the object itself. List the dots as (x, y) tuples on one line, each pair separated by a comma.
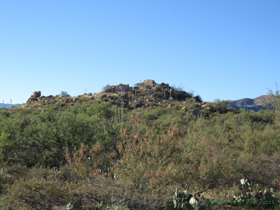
[(226, 49)]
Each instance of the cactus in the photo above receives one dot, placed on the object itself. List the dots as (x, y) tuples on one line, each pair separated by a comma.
[(247, 193), (183, 201)]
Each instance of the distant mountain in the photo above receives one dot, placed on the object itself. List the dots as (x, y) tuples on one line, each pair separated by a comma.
[(249, 104), (8, 105)]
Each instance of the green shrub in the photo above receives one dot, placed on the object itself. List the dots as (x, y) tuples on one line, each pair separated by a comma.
[(158, 88), (64, 93), (90, 94), (58, 98)]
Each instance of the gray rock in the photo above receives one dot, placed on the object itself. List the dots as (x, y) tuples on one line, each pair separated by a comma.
[(170, 105), (149, 82), (75, 99), (118, 88), (204, 105), (195, 112), (36, 94)]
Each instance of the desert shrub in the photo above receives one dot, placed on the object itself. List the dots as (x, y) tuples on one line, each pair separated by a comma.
[(101, 110), (153, 114), (58, 98), (64, 94), (152, 161), (90, 94), (204, 113), (4, 113), (158, 88)]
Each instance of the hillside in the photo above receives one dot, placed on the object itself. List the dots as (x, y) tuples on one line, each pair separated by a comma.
[(255, 104), (149, 147)]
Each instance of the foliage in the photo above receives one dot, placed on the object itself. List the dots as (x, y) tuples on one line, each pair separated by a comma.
[(105, 87), (64, 94), (136, 158), (140, 84)]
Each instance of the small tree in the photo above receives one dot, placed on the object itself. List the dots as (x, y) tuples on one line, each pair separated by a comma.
[(105, 87), (273, 103), (64, 93), (140, 84)]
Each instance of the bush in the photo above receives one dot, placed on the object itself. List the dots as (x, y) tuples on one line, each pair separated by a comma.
[(58, 98), (90, 94), (64, 93), (158, 88)]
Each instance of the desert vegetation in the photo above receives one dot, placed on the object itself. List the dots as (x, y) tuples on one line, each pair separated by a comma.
[(105, 154)]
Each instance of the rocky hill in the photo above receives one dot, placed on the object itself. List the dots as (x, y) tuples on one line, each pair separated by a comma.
[(147, 95)]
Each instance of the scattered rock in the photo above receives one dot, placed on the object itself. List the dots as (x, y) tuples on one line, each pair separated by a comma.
[(184, 107), (66, 100), (203, 102)]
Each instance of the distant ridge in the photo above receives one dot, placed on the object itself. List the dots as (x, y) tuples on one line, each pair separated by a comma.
[(8, 105), (249, 104)]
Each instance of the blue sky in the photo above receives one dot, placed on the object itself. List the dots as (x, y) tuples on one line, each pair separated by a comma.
[(226, 49)]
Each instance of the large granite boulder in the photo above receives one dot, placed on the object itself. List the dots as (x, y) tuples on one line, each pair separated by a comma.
[(149, 82)]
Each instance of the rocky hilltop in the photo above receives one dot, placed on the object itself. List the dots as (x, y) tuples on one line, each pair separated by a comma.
[(146, 94)]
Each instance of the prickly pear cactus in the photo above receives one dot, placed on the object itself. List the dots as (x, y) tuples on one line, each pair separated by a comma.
[(252, 194), (183, 201)]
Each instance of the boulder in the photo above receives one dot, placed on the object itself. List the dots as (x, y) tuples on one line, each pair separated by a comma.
[(184, 107), (149, 82), (195, 112), (36, 94), (170, 105), (164, 86), (118, 88), (66, 100), (75, 99), (203, 102), (204, 105)]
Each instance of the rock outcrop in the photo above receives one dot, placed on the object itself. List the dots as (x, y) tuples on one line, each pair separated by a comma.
[(118, 88), (149, 82), (35, 97)]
